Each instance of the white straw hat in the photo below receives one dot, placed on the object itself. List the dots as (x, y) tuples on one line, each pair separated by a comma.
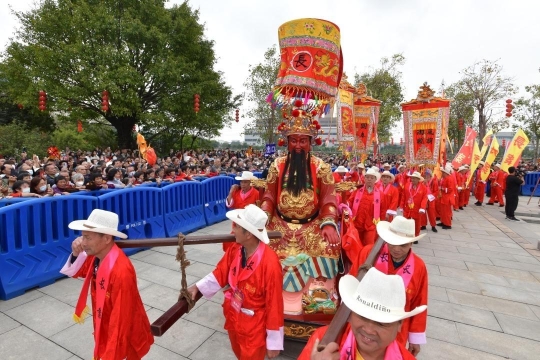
[(99, 221), (386, 165), (417, 175), (388, 173), (497, 165), (251, 218), (461, 168), (360, 165), (341, 169), (378, 297), (398, 232), (246, 175), (373, 172), (447, 169)]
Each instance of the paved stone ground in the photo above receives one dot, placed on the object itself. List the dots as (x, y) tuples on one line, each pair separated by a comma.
[(484, 297)]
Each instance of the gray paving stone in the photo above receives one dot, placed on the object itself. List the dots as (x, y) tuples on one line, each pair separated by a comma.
[(432, 260), (22, 343), (442, 350), (500, 271), (162, 260), (524, 328), (517, 265), (423, 251), (452, 283), (140, 254), (425, 245), (493, 304), (463, 314), (209, 314), (511, 245), (462, 257), (527, 259), (19, 300), (45, 315), (162, 297), (437, 293), (433, 269), (184, 337), (165, 277), (526, 285), (205, 257), (7, 323), (498, 343), (455, 243), (75, 358), (78, 339), (199, 270), (171, 250), (502, 292), (441, 329), (473, 276), (160, 353), (140, 266), (535, 310), (208, 349), (488, 254), (65, 290), (504, 249)]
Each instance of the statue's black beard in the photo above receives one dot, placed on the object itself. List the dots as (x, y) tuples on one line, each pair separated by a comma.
[(299, 172)]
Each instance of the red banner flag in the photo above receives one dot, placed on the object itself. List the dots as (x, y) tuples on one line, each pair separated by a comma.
[(463, 157)]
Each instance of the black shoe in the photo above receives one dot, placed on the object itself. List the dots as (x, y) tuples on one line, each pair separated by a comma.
[(478, 204), (416, 242), (496, 202), (446, 227), (437, 219), (513, 218), (461, 208), (501, 205), (423, 228), (434, 229), (489, 204), (440, 224)]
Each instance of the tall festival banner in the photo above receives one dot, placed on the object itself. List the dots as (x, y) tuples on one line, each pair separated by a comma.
[(492, 154), (513, 153), (426, 123), (465, 153), (475, 161), (366, 119), (486, 142), (345, 123)]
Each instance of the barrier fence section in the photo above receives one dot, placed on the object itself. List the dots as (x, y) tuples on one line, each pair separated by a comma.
[(530, 182), (35, 240), (215, 191), (183, 207)]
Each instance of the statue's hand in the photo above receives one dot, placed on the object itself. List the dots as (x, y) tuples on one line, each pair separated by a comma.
[(330, 234)]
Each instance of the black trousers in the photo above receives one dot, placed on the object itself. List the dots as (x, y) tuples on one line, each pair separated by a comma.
[(511, 205)]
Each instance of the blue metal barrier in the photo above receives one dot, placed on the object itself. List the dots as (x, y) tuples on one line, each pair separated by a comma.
[(140, 212), (6, 202), (530, 182), (96, 192), (35, 240), (215, 191), (147, 184), (258, 174), (183, 207)]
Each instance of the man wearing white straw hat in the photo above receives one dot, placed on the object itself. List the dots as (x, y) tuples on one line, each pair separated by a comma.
[(480, 185), (121, 326), (498, 184), (447, 189), (397, 258), (377, 305), (401, 180), (414, 200), (241, 196), (390, 193), (253, 305)]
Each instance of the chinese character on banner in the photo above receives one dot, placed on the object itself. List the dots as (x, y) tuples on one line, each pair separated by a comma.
[(269, 149)]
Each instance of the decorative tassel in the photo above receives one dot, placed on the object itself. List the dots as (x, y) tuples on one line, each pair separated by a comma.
[(269, 97), (80, 319)]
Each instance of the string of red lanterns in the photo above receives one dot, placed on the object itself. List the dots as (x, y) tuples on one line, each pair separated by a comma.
[(42, 100), (105, 101), (509, 108), (237, 115), (460, 124), (196, 99)]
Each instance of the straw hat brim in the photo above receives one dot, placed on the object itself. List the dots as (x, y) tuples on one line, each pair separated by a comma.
[(347, 289), (384, 231), (85, 225), (236, 217)]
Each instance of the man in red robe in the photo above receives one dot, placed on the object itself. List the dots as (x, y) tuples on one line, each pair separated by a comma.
[(390, 193), (121, 326), (253, 305), (432, 186), (378, 309), (414, 200), (401, 180), (241, 196), (462, 189), (397, 258), (480, 185), (367, 205), (498, 182), (448, 198)]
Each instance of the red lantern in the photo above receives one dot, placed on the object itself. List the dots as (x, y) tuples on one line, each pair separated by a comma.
[(504, 142), (196, 103), (298, 103), (400, 141), (237, 115), (509, 108), (105, 101), (281, 142), (318, 141), (333, 140), (79, 126), (509, 101), (460, 124), (42, 100), (20, 106)]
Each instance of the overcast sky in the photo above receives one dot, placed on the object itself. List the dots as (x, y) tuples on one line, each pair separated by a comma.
[(437, 38)]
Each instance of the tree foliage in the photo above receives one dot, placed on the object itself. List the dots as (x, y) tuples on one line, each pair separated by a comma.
[(461, 107), (384, 84), (485, 82), (261, 79), (151, 60), (527, 114)]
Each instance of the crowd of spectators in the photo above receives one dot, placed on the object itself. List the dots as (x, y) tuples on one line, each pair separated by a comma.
[(106, 169)]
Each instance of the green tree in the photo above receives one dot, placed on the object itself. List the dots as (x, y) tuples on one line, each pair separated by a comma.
[(151, 60), (259, 84), (485, 82), (15, 137), (384, 84), (461, 107), (527, 114), (11, 112)]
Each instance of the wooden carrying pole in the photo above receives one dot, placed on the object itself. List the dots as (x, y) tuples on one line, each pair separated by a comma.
[(165, 321), (337, 325)]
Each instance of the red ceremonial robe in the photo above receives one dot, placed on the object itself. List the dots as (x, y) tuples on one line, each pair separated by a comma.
[(319, 333), (364, 216), (413, 329), (448, 199), (391, 195), (414, 203), (480, 190), (498, 183), (259, 326), (125, 329)]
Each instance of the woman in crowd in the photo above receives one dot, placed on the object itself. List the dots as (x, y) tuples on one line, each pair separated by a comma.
[(21, 188), (38, 186), (78, 181), (62, 186), (96, 182), (114, 177)]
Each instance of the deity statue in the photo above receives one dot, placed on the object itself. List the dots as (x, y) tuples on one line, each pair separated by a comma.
[(301, 204)]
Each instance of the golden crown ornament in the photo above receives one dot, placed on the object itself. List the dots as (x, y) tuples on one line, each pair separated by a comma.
[(298, 119)]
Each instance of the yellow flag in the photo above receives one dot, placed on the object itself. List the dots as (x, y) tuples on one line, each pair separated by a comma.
[(516, 147), (485, 144), (475, 161), (492, 154), (141, 142)]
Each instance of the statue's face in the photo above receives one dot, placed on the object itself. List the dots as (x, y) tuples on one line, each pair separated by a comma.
[(297, 143)]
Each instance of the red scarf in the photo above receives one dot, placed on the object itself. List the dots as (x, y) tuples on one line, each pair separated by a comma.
[(102, 279), (406, 271), (237, 273)]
